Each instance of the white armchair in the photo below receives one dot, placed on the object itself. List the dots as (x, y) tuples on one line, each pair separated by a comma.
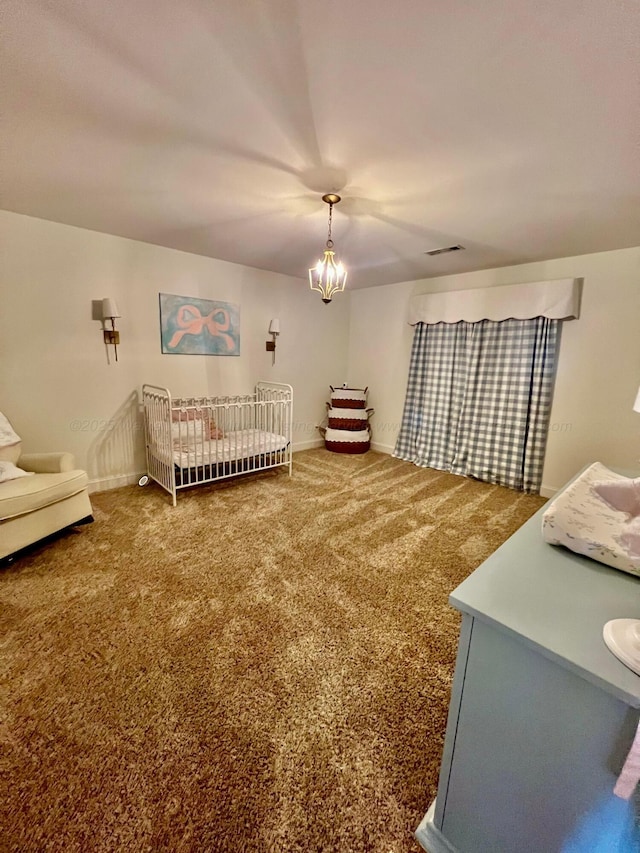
[(34, 507)]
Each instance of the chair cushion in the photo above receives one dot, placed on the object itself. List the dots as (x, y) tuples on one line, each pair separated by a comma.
[(27, 494)]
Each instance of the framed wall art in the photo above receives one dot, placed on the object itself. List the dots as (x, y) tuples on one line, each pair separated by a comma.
[(193, 326)]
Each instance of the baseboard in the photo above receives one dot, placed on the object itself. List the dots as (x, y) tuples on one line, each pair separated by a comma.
[(308, 445), (383, 448), (102, 484), (547, 491), (429, 836), (319, 442)]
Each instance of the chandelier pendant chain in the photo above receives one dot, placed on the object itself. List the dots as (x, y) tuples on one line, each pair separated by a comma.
[(328, 276), (329, 240)]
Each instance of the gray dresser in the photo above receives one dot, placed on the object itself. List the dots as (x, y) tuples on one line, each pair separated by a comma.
[(542, 714)]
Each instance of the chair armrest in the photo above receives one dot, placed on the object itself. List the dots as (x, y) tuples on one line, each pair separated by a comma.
[(47, 463)]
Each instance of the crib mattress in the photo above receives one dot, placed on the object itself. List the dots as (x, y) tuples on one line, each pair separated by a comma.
[(241, 444)]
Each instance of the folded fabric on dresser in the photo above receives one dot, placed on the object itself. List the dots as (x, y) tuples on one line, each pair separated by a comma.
[(598, 516)]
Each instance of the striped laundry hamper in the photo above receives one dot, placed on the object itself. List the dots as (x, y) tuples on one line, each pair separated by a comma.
[(348, 429), (347, 441), (349, 398), (351, 419)]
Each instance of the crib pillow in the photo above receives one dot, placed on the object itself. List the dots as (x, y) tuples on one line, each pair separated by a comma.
[(188, 432), (183, 418)]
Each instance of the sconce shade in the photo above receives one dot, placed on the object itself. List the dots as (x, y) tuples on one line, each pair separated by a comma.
[(109, 309), (274, 327), (111, 336), (636, 405)]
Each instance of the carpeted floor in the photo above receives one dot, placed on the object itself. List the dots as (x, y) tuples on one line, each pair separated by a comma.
[(265, 667)]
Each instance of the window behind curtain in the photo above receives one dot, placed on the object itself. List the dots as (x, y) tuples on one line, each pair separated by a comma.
[(479, 398)]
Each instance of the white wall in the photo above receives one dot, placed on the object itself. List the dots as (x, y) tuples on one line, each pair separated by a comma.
[(60, 393), (598, 371), (56, 385)]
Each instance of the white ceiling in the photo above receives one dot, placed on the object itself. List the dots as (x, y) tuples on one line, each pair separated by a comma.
[(214, 126)]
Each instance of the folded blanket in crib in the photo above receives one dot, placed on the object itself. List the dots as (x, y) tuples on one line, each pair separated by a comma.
[(598, 516)]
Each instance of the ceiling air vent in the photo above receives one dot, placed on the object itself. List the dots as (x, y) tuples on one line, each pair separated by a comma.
[(445, 250)]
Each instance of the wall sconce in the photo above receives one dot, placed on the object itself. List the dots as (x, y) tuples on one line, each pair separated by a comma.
[(110, 312), (274, 331)]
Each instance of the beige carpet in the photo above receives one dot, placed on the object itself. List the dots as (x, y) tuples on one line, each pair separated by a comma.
[(265, 667)]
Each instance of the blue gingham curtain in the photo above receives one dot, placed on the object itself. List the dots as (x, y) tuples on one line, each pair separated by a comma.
[(478, 399)]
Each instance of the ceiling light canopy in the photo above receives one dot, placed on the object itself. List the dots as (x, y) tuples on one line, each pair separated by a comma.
[(328, 277)]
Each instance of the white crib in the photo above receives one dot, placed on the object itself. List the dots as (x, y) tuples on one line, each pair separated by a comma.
[(196, 440)]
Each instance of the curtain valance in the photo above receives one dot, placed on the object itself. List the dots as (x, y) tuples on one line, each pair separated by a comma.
[(556, 300)]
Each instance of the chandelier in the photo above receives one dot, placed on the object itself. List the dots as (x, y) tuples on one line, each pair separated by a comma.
[(328, 277)]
